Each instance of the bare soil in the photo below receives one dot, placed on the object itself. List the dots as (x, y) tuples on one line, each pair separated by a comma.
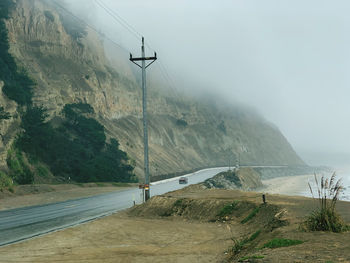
[(184, 226)]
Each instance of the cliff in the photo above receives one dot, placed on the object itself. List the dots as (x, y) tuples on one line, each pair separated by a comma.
[(70, 66)]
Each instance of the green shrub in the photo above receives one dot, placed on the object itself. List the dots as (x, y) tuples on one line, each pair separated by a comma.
[(11, 189), (77, 149), (228, 209), (42, 171), (251, 215), (239, 244), (281, 242), (254, 236), (5, 180), (19, 169), (178, 202), (3, 114)]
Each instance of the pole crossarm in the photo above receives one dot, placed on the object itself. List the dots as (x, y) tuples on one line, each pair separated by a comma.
[(147, 58), (154, 58)]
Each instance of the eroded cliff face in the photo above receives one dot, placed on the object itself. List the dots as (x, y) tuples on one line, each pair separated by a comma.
[(184, 133)]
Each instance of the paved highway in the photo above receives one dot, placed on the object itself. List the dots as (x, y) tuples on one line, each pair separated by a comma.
[(23, 223)]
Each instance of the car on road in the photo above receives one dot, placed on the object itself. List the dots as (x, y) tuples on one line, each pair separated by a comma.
[(183, 180)]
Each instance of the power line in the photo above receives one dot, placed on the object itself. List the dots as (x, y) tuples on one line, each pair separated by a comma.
[(119, 19), (136, 34), (131, 30), (91, 27)]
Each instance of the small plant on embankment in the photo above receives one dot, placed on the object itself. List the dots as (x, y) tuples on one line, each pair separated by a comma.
[(281, 242), (239, 244), (251, 215), (228, 209), (325, 218)]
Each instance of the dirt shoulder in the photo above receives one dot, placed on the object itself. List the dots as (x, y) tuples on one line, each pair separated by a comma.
[(28, 195), (189, 226)]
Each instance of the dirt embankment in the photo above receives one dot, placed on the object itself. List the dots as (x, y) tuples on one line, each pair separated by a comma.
[(193, 225)]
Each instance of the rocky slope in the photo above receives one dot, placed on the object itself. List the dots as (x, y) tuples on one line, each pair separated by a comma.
[(70, 66), (243, 178)]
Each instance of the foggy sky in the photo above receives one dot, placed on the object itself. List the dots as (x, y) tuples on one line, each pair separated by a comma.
[(288, 59)]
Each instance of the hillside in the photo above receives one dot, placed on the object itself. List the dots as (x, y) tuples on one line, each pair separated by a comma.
[(68, 64)]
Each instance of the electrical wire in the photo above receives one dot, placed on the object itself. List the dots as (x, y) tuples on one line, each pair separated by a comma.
[(119, 19), (137, 35), (131, 30), (91, 27)]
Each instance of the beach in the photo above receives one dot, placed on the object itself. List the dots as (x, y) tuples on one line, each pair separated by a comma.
[(287, 185), (298, 185)]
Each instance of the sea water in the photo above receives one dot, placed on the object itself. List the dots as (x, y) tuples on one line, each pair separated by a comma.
[(345, 177), (341, 173)]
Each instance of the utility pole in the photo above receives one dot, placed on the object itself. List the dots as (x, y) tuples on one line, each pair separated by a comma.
[(143, 66)]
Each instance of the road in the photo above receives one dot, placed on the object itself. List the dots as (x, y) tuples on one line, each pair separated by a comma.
[(23, 223)]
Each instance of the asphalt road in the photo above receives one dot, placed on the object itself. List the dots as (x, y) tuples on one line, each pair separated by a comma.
[(23, 223)]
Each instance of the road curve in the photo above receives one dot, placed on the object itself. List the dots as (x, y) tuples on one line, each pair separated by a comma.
[(23, 223)]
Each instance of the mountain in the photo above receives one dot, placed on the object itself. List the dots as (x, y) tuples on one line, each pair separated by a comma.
[(68, 64)]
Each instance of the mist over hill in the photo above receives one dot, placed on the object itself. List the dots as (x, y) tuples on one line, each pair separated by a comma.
[(69, 66)]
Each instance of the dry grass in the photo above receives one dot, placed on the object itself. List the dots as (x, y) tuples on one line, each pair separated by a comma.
[(325, 218)]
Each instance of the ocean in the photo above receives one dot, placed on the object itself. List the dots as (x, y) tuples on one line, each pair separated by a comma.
[(339, 161), (343, 174)]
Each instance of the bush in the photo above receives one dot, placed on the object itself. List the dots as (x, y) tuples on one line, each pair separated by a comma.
[(20, 171), (5, 181), (3, 114), (228, 209), (77, 149), (281, 242), (325, 218), (251, 215), (240, 243)]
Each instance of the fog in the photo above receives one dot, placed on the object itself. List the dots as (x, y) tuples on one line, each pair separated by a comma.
[(287, 59)]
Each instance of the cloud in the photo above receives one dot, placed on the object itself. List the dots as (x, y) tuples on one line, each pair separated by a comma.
[(288, 59)]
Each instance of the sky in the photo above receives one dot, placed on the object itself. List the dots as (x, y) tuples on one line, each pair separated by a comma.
[(287, 59)]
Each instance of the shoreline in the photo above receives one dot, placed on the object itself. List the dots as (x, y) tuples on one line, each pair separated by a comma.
[(296, 185), (287, 185)]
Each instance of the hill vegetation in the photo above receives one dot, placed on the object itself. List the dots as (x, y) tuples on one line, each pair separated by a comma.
[(75, 149)]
